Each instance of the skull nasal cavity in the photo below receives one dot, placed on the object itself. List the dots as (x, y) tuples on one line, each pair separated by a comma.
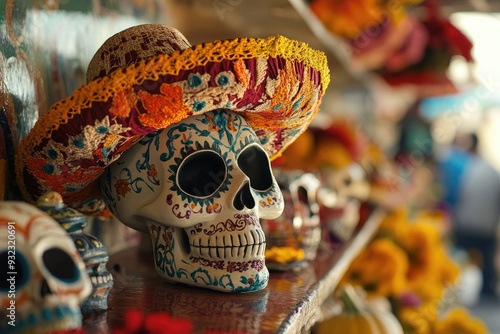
[(44, 289), (244, 198)]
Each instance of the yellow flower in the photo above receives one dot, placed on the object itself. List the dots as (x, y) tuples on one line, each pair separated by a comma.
[(428, 290), (421, 242), (448, 270), (459, 321), (394, 225), (284, 254), (416, 320), (380, 269)]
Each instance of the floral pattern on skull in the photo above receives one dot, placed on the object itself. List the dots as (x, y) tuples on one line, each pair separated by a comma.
[(45, 276), (199, 187)]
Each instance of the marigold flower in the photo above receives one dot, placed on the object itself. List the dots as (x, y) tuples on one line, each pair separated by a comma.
[(422, 242), (284, 254), (349, 18), (459, 321), (394, 225), (417, 320), (380, 269)]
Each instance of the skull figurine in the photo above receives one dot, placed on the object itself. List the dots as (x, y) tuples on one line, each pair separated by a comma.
[(299, 225), (93, 252), (351, 187), (199, 187), (44, 280)]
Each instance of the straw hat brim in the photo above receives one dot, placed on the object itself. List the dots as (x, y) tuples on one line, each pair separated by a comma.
[(275, 83)]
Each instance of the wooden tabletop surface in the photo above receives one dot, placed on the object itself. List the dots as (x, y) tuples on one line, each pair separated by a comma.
[(289, 303)]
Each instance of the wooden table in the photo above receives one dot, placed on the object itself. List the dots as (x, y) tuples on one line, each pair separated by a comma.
[(289, 304)]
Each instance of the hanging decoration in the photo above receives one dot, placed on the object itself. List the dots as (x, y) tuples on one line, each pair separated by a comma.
[(389, 40)]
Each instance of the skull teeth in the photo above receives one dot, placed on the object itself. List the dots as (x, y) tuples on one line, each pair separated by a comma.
[(234, 246), (101, 279)]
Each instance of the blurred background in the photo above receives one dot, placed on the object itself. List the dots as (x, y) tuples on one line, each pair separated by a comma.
[(414, 101)]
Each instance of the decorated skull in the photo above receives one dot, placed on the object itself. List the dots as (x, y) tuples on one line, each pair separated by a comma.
[(298, 226), (44, 279), (199, 188), (350, 182), (342, 216), (92, 251)]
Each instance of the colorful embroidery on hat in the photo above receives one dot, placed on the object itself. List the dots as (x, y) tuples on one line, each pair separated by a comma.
[(260, 71), (276, 83), (163, 109), (94, 141), (49, 174), (216, 93), (242, 72), (123, 102), (196, 82)]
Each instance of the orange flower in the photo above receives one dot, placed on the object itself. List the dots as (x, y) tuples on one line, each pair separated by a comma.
[(422, 241), (347, 18), (163, 109), (122, 188), (380, 269), (123, 102), (152, 171)]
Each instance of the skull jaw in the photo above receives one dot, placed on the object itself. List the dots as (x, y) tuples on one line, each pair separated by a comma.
[(174, 264), (48, 318), (98, 300), (311, 239)]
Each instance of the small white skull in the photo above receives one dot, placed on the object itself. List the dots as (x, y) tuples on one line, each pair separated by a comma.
[(299, 225), (350, 182), (351, 187), (44, 279), (199, 187)]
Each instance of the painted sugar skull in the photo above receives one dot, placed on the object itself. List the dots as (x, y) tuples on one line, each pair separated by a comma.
[(199, 187), (44, 279), (350, 182), (92, 251), (176, 138), (298, 226), (352, 188)]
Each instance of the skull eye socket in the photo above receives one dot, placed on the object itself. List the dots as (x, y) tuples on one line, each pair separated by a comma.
[(347, 181), (60, 265), (13, 263), (304, 200), (202, 173), (253, 161)]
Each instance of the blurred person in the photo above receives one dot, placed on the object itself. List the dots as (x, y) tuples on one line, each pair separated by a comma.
[(472, 190), (414, 159)]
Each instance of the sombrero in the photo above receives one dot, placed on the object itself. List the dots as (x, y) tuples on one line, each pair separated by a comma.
[(148, 77)]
